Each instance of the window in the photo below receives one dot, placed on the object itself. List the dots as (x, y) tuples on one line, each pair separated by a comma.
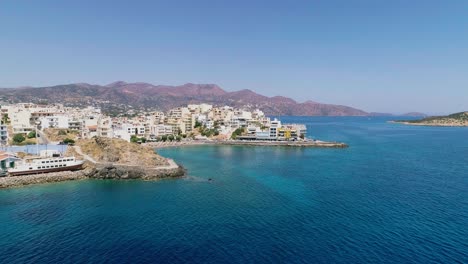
[(43, 161), (30, 168)]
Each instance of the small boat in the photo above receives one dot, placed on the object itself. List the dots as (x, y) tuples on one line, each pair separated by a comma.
[(52, 163)]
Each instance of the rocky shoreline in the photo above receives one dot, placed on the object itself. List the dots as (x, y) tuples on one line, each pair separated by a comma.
[(97, 171)]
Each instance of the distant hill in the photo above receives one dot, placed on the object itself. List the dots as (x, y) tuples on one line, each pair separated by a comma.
[(417, 114), (121, 96), (380, 114), (413, 114), (457, 119)]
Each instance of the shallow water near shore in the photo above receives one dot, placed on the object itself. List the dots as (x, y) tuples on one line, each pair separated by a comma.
[(399, 194)]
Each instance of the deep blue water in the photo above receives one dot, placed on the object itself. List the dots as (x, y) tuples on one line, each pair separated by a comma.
[(399, 194)]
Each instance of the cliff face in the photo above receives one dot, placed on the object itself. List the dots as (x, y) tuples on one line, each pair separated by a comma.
[(121, 96)]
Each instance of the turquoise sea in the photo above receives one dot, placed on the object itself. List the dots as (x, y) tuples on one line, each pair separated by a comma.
[(399, 194)]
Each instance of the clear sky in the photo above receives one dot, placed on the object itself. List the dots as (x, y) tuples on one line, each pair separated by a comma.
[(386, 56)]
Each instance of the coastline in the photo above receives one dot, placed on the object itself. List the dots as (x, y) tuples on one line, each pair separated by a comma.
[(429, 124), (125, 171), (311, 144)]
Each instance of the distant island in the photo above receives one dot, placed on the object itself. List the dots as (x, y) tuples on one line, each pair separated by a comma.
[(412, 114), (453, 120)]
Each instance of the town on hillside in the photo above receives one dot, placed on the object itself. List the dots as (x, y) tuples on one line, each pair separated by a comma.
[(57, 124)]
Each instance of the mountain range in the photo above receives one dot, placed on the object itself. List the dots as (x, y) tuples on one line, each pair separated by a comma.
[(122, 96)]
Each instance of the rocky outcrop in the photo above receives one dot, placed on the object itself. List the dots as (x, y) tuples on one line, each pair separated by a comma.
[(125, 172), (107, 159), (119, 151), (98, 171)]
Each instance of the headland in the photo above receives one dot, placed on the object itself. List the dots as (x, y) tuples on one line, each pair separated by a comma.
[(106, 159), (453, 120)]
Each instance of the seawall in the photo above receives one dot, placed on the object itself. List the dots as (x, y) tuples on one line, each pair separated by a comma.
[(310, 144), (304, 144)]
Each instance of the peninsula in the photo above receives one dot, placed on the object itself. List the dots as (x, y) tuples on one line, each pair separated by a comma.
[(453, 120), (106, 159)]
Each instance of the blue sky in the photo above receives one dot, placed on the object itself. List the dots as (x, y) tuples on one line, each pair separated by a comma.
[(386, 56)]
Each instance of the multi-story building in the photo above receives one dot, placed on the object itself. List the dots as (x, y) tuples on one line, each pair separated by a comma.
[(160, 130), (3, 134), (275, 125), (126, 131), (54, 121)]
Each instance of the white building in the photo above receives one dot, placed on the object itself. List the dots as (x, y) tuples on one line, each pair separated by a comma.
[(275, 125), (56, 121), (3, 133), (161, 130), (126, 131), (21, 121)]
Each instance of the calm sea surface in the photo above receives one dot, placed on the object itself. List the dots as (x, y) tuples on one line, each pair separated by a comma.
[(399, 194)]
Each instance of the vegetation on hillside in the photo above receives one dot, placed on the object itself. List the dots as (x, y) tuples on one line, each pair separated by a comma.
[(457, 119), (56, 134), (208, 132), (237, 132), (22, 139)]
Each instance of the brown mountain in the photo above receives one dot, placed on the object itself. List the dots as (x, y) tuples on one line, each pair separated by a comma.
[(121, 96)]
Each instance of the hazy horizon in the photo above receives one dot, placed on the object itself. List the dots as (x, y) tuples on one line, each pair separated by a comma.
[(389, 57)]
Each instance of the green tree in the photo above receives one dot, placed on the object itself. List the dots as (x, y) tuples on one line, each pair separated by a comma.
[(178, 138), (198, 124), (170, 138), (164, 138), (237, 133), (31, 134), (18, 138), (133, 139), (5, 119), (69, 141)]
